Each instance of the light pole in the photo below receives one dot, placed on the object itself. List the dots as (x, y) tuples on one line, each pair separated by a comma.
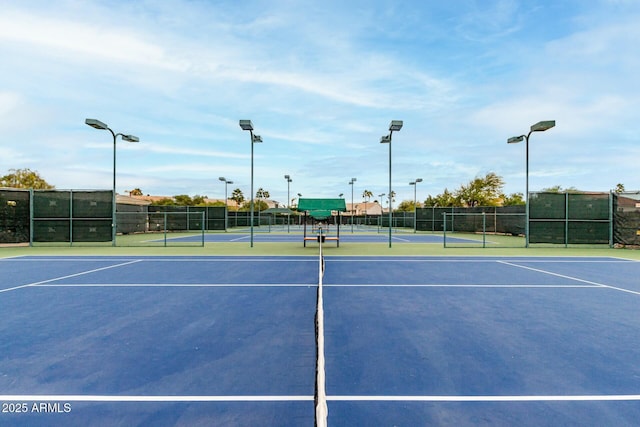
[(538, 127), (395, 125), (97, 124), (415, 203), (247, 125), (226, 205), (381, 210), (289, 180), (352, 209)]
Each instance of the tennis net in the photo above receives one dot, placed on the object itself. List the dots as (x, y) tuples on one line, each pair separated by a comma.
[(320, 392)]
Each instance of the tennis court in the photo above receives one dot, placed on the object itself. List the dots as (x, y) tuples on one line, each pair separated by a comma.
[(345, 237), (231, 340)]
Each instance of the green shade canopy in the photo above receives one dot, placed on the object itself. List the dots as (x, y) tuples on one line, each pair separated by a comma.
[(320, 214), (326, 205)]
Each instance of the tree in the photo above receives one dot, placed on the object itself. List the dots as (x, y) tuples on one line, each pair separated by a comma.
[(237, 196), (406, 206), (135, 192), (366, 195), (558, 189), (164, 202), (198, 200), (619, 188), (482, 191), (513, 199), (258, 206), (444, 200), (262, 194), (24, 178)]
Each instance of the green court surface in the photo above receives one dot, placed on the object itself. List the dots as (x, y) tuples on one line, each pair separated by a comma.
[(296, 248)]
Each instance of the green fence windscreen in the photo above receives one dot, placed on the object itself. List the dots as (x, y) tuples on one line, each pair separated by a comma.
[(14, 216), (570, 218), (71, 216)]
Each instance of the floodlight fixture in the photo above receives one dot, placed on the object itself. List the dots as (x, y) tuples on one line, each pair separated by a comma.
[(386, 139), (543, 125), (418, 179), (515, 139), (256, 138), (246, 125), (395, 125), (130, 138), (223, 179), (96, 124)]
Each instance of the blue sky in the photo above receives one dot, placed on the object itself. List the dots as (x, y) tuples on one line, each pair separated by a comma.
[(320, 81)]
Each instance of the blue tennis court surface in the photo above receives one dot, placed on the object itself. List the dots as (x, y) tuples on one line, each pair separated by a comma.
[(189, 341)]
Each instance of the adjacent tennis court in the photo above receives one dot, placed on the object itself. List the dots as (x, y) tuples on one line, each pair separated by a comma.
[(202, 340)]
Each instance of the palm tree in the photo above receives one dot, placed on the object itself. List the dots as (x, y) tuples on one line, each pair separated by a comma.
[(366, 194)]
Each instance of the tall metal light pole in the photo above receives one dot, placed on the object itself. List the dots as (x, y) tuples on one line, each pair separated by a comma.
[(395, 125), (226, 199), (352, 209), (381, 210), (538, 127), (415, 203), (97, 124), (289, 180), (247, 125)]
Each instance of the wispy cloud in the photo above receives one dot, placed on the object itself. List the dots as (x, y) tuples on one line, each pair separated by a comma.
[(320, 82)]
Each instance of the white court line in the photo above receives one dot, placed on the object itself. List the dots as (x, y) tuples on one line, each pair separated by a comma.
[(178, 285), (417, 258), (466, 285), (534, 398), (223, 259), (570, 278), (68, 276), (106, 398), (298, 398)]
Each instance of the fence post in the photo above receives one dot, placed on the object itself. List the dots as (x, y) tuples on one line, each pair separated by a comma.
[(71, 218), (566, 220), (203, 227), (444, 229), (611, 216), (31, 222), (165, 228)]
